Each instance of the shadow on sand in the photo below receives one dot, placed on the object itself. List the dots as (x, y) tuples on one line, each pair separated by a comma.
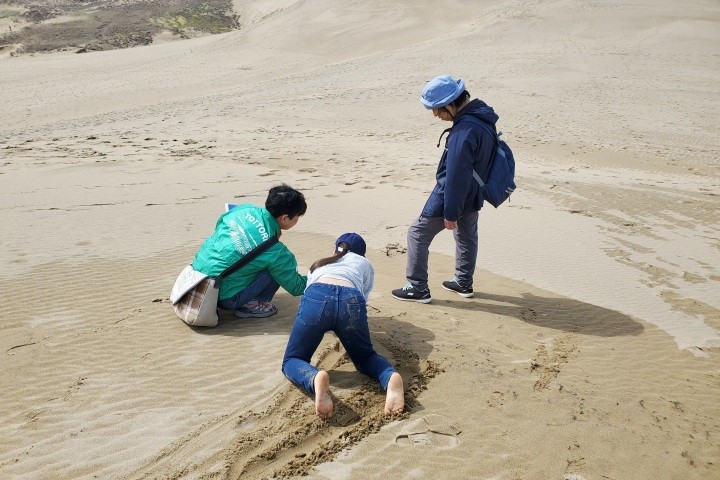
[(278, 324), (560, 313)]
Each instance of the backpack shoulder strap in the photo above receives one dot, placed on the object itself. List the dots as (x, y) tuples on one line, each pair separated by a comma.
[(496, 147), (486, 126)]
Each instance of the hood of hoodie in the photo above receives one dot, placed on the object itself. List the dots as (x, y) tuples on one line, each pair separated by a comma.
[(478, 108)]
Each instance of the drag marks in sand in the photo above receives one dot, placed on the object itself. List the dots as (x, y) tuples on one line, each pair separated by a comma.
[(285, 438), (106, 375), (294, 439), (288, 439), (550, 356)]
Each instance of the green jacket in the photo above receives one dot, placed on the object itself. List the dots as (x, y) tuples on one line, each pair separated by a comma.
[(236, 233)]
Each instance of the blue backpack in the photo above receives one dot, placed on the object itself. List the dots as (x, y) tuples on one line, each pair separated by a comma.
[(499, 175)]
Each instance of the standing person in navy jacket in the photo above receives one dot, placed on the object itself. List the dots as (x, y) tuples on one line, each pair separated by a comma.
[(456, 199)]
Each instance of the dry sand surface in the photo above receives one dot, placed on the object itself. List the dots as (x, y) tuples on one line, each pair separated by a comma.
[(590, 351)]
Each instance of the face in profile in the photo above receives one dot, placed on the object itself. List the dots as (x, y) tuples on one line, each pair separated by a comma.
[(442, 113), (286, 223)]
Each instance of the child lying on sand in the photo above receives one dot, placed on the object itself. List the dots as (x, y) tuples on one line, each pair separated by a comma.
[(335, 300)]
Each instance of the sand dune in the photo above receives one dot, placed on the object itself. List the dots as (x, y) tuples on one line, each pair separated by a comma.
[(590, 350)]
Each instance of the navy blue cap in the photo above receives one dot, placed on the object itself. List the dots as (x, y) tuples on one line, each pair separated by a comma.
[(356, 242)]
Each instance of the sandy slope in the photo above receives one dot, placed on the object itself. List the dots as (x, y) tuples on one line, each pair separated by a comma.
[(590, 350)]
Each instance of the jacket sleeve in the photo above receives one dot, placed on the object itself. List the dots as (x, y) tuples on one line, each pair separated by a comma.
[(282, 266), (459, 177)]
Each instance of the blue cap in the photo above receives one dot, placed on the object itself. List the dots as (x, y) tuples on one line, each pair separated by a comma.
[(441, 91), (356, 242)]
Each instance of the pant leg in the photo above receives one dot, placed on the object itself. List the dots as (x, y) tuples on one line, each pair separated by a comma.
[(351, 327), (263, 287), (314, 317), (420, 234), (267, 293), (466, 248)]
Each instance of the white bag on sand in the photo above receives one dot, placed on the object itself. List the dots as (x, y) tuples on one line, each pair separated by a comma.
[(194, 297)]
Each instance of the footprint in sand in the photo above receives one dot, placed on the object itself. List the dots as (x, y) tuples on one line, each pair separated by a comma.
[(432, 430)]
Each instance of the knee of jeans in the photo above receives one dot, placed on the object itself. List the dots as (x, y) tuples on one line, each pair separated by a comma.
[(284, 362)]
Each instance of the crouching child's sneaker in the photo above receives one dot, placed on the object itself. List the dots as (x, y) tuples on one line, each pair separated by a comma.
[(256, 309), (412, 294), (454, 286)]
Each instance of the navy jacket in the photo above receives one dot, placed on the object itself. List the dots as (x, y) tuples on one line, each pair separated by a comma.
[(456, 191)]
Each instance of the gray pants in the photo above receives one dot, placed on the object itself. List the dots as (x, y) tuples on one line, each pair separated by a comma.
[(421, 233)]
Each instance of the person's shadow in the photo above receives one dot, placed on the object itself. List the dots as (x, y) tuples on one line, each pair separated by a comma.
[(559, 313), (278, 324)]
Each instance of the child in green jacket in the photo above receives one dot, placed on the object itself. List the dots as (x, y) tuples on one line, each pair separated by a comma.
[(249, 290)]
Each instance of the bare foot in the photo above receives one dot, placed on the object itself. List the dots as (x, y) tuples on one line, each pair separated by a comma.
[(323, 401), (395, 398)]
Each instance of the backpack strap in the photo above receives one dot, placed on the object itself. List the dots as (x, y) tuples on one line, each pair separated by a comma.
[(447, 130), (496, 147), (492, 133), (478, 179)]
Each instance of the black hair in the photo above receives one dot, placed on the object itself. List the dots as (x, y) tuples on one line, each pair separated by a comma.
[(458, 102), (344, 246), (285, 200)]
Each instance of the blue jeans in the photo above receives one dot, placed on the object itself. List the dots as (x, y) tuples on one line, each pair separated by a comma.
[(263, 287), (342, 310)]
